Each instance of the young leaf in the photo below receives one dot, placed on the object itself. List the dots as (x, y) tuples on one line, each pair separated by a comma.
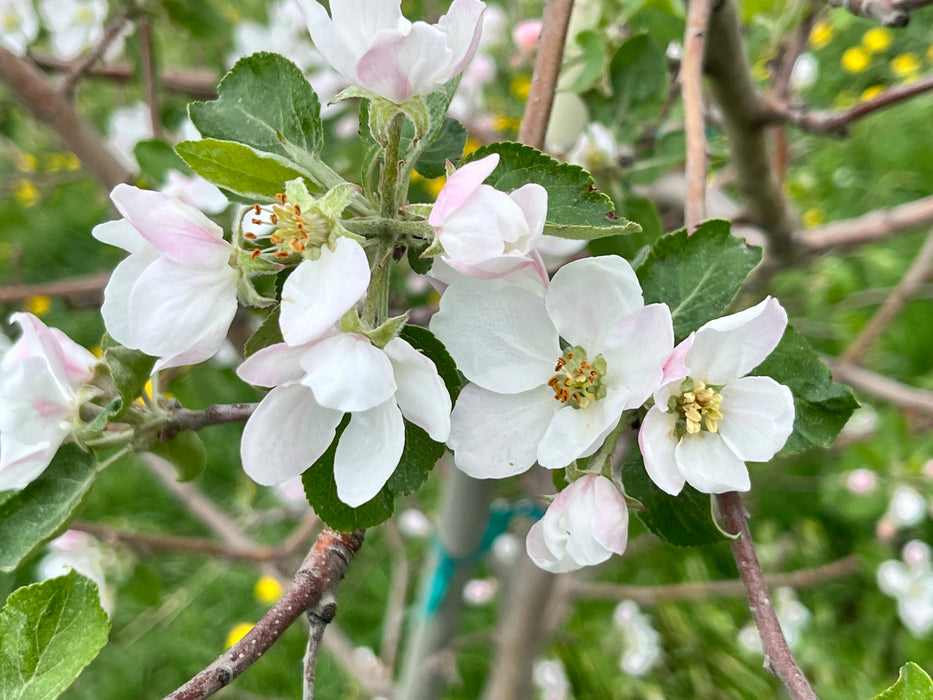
[(267, 334), (156, 158), (418, 264), (49, 632), (129, 369), (185, 452), (697, 276), (575, 208), (685, 520), (913, 683), (447, 146), (822, 407), (43, 509)]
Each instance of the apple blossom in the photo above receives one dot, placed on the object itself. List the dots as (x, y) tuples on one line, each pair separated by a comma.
[(709, 418), (485, 232), (374, 47), (532, 397), (75, 25), (641, 647), (19, 25), (41, 380), (174, 297), (195, 191), (583, 526), (910, 582)]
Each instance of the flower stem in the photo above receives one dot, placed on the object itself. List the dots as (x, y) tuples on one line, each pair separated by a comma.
[(376, 307), (390, 169), (600, 462)]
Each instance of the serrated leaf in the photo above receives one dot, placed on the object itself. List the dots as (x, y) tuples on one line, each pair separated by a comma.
[(185, 452), (49, 632), (913, 683), (643, 212), (43, 509), (447, 146), (250, 175), (268, 333), (697, 276), (821, 406), (264, 102), (575, 209), (424, 340), (685, 520), (129, 369), (156, 158)]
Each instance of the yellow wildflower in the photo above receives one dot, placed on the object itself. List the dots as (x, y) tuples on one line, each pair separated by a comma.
[(905, 64), (237, 633), (821, 34), (871, 92), (38, 305), (813, 217), (267, 590), (877, 39), (855, 60)]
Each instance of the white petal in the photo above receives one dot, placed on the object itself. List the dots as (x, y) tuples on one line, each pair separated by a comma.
[(732, 346), (23, 463), (463, 26), (657, 439), (894, 578), (587, 296), (368, 452), (496, 435), (539, 551), (636, 349), (479, 227), (34, 402), (460, 186), (499, 334), (286, 434), (116, 307), (273, 365), (120, 233), (319, 292), (421, 393), (532, 198), (598, 520), (572, 431), (398, 66), (347, 373), (758, 417), (709, 465)]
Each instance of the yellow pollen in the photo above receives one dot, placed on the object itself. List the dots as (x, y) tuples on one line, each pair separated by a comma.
[(700, 408)]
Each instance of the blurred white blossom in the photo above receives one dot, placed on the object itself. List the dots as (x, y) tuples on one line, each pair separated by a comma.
[(19, 25), (641, 642), (550, 680), (74, 25), (910, 582), (793, 615)]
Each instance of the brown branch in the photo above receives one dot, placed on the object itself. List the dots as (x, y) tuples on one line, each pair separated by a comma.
[(217, 414), (873, 226), (691, 86), (82, 65), (890, 13), (316, 580), (899, 296), (52, 109), (319, 616), (778, 658), (90, 286), (901, 395), (704, 590), (554, 25)]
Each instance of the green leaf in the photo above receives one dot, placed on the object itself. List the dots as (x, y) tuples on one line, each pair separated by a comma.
[(697, 276), (185, 452), (913, 683), (447, 146), (265, 102), (267, 334), (250, 175), (575, 208), (44, 508), (638, 74), (591, 62), (129, 369), (156, 158), (643, 212), (424, 340), (685, 520), (822, 407), (418, 264), (198, 17), (49, 632)]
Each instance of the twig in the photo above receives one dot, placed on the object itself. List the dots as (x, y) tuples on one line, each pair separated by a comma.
[(704, 590), (319, 616), (901, 395), (92, 285), (82, 65), (316, 581), (52, 109), (891, 13), (691, 86), (150, 76), (873, 226), (217, 414), (905, 289), (537, 114), (778, 658)]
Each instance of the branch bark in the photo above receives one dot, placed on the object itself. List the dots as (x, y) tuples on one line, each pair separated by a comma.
[(691, 86), (217, 414), (901, 395), (890, 13), (873, 226)]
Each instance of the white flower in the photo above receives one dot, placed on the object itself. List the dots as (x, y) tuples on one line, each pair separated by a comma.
[(374, 47), (583, 526), (550, 678), (19, 25), (907, 507), (641, 646), (487, 233), (83, 553), (910, 582), (709, 418), (195, 191), (128, 126), (532, 398), (75, 25), (41, 377), (175, 295)]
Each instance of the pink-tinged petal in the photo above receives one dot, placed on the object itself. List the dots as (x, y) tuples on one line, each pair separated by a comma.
[(399, 66), (368, 452), (286, 434), (463, 25), (421, 394), (496, 435), (478, 230), (758, 417), (79, 361), (532, 199), (22, 463), (328, 40), (357, 22), (587, 296), (709, 465), (173, 307), (121, 234), (733, 346), (347, 373), (657, 440), (572, 431), (540, 552), (675, 369), (636, 349), (204, 348), (610, 524), (499, 334), (273, 365), (180, 231), (526, 271), (460, 186), (35, 404), (319, 292), (116, 307), (68, 362)]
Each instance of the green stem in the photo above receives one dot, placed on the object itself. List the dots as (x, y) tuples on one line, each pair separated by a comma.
[(376, 307), (390, 169), (394, 229)]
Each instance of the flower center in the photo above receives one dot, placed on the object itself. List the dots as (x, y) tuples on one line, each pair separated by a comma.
[(295, 230), (697, 407), (577, 382)]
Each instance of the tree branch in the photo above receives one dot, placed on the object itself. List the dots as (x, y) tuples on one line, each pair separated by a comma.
[(891, 13), (691, 85), (320, 615), (315, 582), (82, 64), (778, 658), (870, 227), (901, 395), (217, 414), (90, 286)]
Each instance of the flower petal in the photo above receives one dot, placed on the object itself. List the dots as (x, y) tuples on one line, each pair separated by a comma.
[(273, 365), (496, 435), (347, 373), (120, 233), (709, 465), (463, 27), (286, 434), (421, 394), (758, 417), (657, 439), (532, 199), (460, 186), (732, 346), (23, 462), (572, 431), (368, 452), (319, 292), (499, 334), (116, 307), (636, 349)]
